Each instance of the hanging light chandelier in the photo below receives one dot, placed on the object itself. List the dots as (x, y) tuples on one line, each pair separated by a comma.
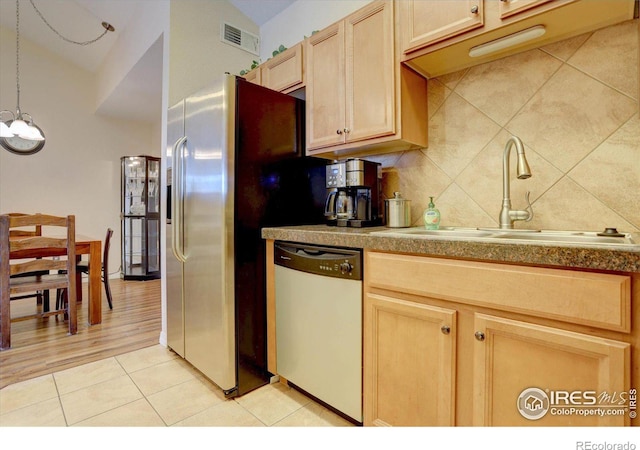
[(20, 134)]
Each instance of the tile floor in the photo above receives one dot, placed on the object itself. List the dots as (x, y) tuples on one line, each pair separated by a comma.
[(152, 387)]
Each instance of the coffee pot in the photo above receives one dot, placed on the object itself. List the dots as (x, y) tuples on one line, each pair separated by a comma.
[(344, 205), (339, 205), (353, 193), (330, 205)]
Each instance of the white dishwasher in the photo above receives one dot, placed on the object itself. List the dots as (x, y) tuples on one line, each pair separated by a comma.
[(318, 293)]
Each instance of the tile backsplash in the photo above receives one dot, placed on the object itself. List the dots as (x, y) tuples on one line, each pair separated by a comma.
[(574, 104)]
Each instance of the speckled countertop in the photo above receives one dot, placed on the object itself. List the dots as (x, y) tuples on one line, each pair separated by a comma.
[(536, 253)]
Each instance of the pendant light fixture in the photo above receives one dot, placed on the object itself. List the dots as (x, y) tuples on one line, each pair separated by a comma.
[(19, 134)]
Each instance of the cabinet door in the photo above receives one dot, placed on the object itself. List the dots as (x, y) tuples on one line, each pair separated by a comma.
[(254, 76), (511, 7), (544, 372), (153, 186), (325, 87), (370, 74), (427, 22), (409, 363), (284, 72)]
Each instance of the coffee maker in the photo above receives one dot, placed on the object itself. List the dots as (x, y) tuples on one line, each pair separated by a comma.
[(353, 193)]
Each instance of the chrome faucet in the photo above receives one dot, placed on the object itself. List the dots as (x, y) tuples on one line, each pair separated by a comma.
[(508, 215)]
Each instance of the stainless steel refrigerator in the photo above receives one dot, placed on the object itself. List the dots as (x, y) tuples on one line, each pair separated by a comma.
[(235, 164)]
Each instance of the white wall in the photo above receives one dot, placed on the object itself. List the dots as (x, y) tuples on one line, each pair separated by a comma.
[(300, 20), (149, 22), (196, 54), (78, 170)]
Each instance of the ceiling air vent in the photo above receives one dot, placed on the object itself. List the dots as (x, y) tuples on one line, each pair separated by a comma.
[(240, 38)]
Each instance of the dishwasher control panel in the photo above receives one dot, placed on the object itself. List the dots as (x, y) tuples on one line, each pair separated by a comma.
[(328, 261)]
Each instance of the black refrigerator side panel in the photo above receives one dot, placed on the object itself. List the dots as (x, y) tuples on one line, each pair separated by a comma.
[(293, 192), (274, 185), (270, 124)]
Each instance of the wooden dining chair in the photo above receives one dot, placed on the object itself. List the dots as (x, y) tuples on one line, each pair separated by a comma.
[(33, 254), (83, 267), (42, 297)]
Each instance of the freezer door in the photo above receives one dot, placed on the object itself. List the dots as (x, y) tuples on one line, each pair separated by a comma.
[(175, 319), (209, 312)]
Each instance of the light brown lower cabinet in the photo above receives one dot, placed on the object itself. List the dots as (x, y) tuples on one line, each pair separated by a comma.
[(449, 342), (510, 356), (410, 363)]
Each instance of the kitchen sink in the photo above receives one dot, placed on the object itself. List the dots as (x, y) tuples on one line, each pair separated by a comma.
[(580, 237), (518, 236), (449, 232)]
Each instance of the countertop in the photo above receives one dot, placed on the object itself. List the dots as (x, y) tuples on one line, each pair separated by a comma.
[(533, 253)]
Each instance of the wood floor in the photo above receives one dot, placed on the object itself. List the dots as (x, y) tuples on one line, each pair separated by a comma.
[(42, 346)]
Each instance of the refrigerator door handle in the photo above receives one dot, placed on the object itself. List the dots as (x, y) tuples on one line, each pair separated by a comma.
[(177, 200)]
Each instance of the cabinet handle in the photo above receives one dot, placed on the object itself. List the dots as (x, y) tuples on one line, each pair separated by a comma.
[(474, 10), (479, 336), (338, 131), (445, 329), (347, 130)]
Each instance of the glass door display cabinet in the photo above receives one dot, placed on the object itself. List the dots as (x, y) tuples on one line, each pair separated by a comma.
[(140, 218)]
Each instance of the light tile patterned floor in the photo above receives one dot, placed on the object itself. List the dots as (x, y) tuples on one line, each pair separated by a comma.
[(148, 388), (153, 387)]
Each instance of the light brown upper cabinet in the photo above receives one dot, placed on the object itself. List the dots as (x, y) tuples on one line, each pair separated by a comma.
[(445, 19), (254, 76), (359, 99), (285, 72), (437, 36)]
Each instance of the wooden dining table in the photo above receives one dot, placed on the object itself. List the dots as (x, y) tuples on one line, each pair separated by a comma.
[(84, 246)]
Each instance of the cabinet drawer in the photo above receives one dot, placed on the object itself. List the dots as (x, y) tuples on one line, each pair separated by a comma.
[(593, 299), (284, 72)]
